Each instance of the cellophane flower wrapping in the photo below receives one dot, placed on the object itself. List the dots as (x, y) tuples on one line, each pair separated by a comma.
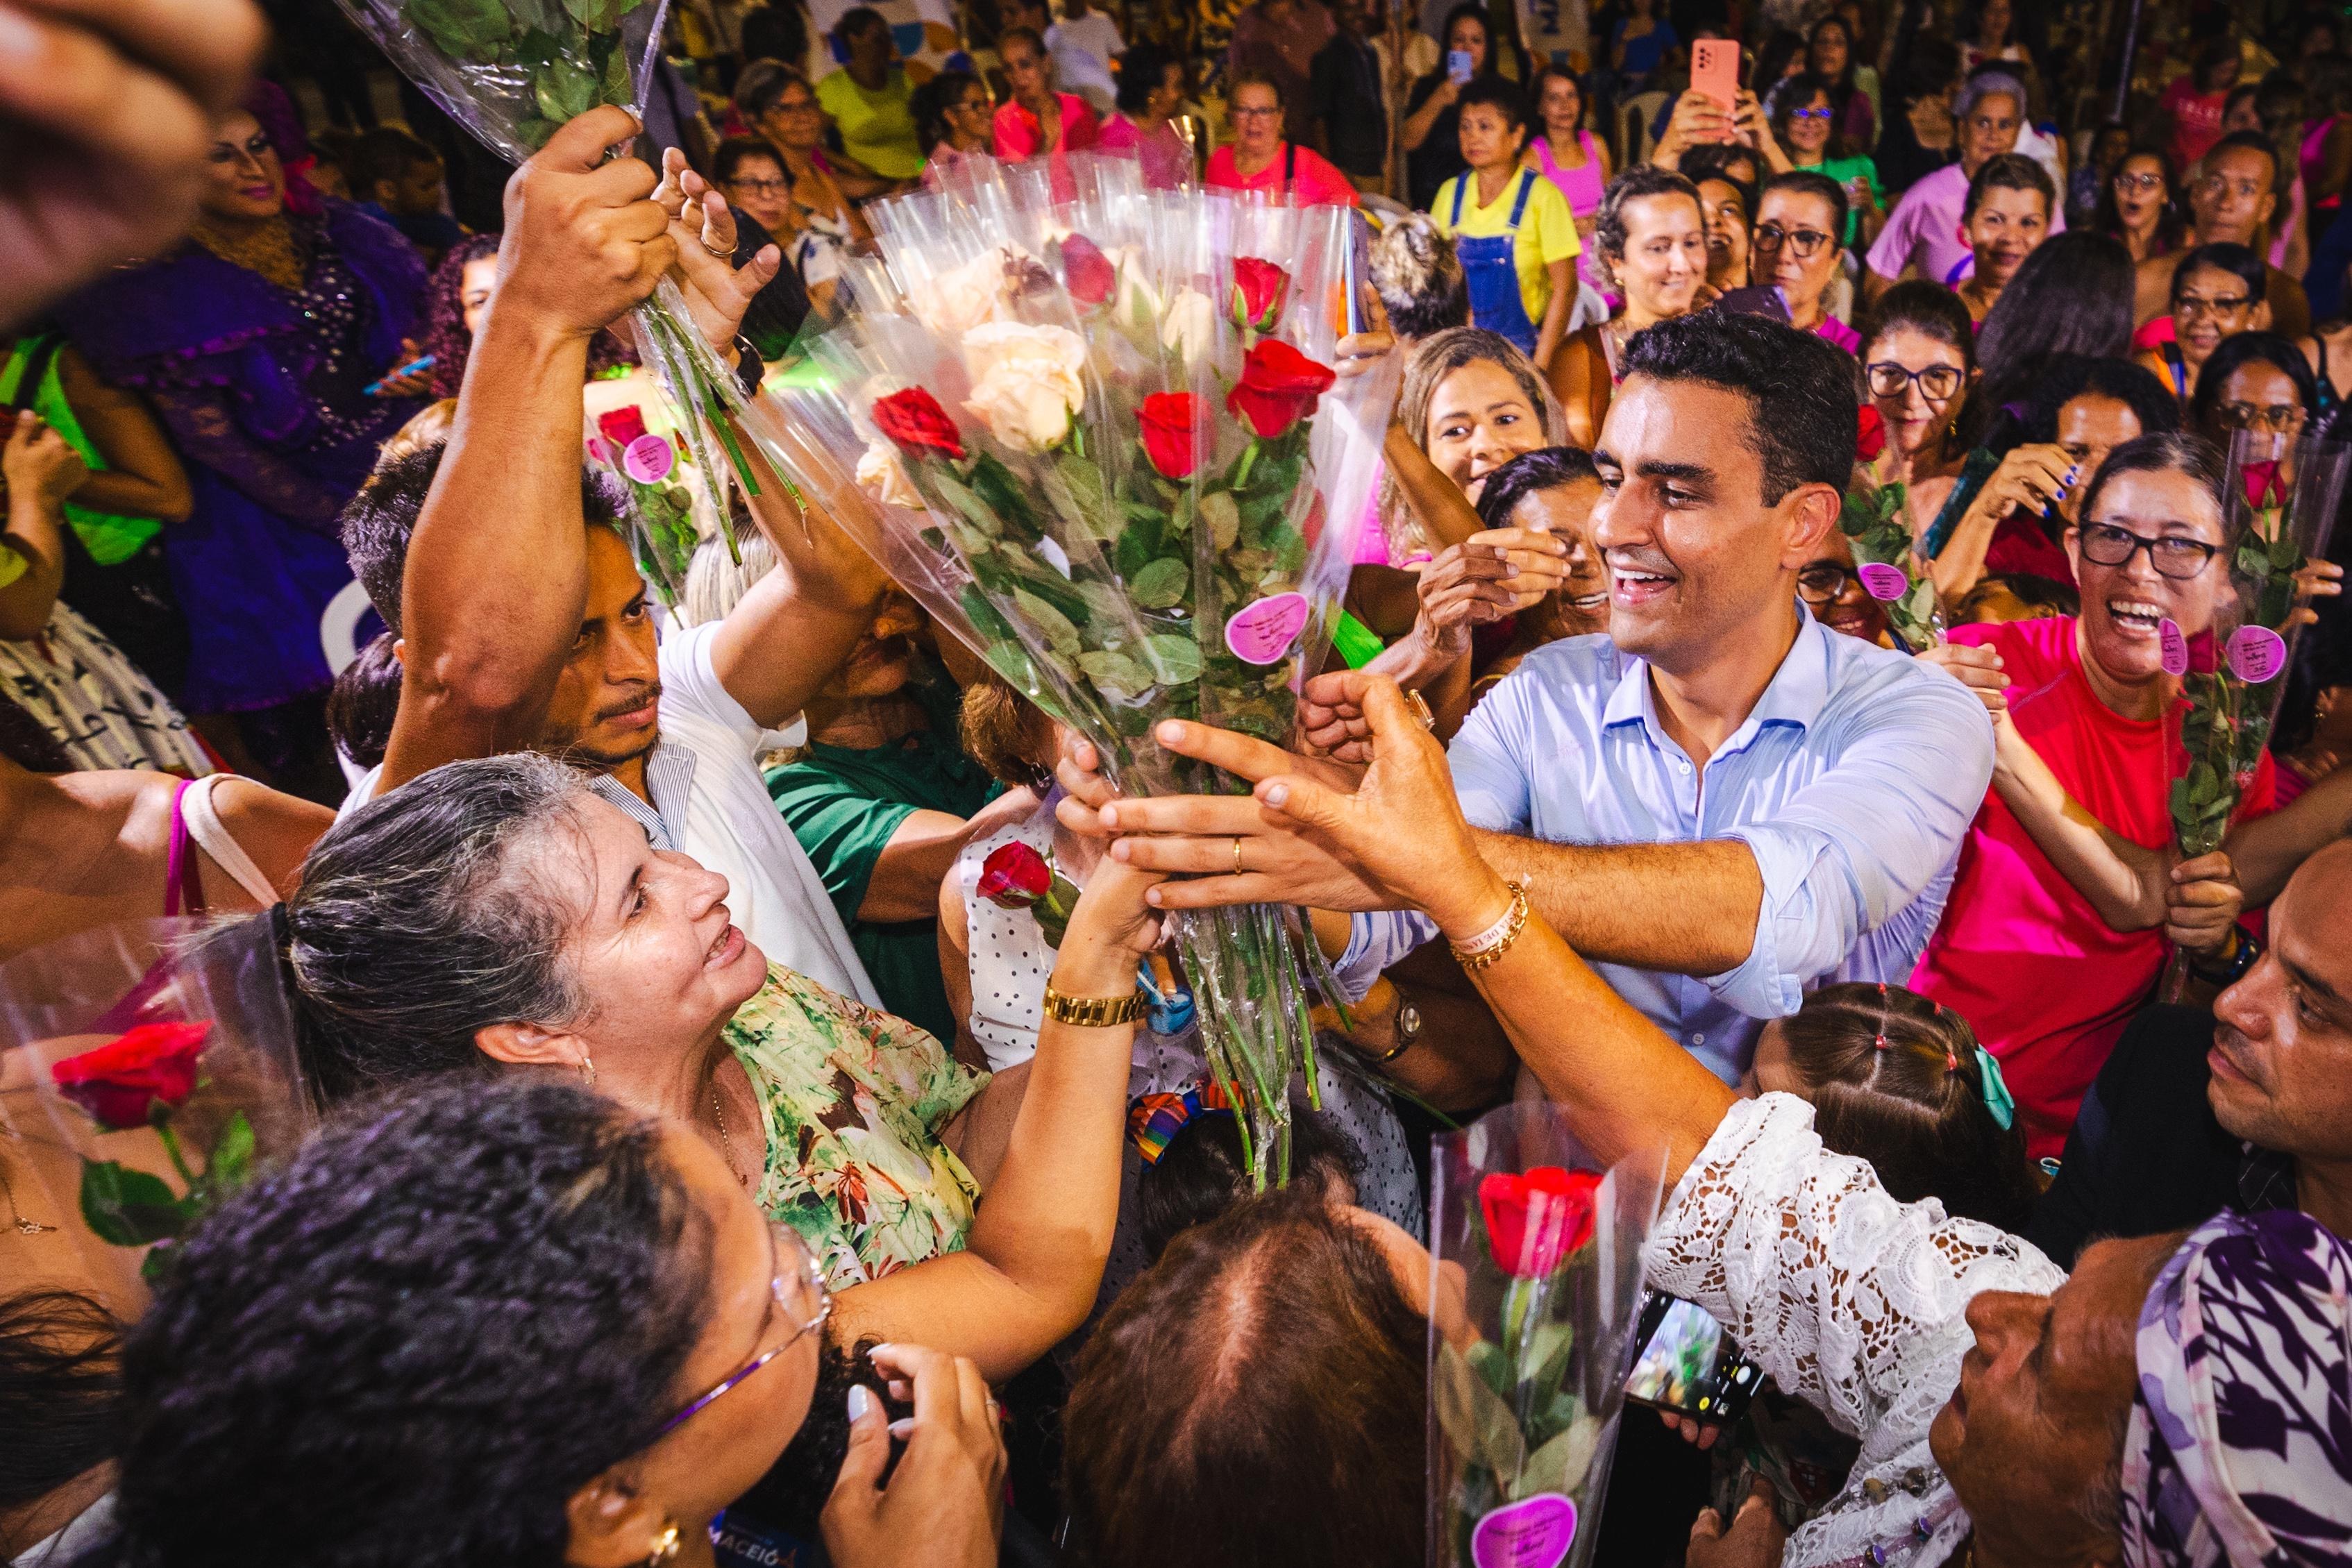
[(510, 72), (2280, 493), (150, 1070), (1879, 534), (1536, 1262), (1100, 433)]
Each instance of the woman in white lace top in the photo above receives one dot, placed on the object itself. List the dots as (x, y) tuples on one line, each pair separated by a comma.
[(1993, 1397)]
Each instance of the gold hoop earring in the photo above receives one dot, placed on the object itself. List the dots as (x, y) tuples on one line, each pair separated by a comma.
[(588, 1076), (665, 1548)]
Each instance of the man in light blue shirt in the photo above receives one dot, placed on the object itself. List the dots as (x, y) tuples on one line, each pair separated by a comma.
[(1722, 803)]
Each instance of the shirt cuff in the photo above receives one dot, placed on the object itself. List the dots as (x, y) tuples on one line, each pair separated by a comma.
[(1761, 986), (1375, 941)]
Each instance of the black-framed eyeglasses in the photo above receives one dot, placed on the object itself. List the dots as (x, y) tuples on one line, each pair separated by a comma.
[(1807, 243), (2173, 555), (1826, 582), (1936, 382), (2279, 416), (801, 1294), (2190, 305), (762, 187)]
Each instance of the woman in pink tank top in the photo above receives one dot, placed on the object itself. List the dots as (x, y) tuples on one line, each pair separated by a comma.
[(1567, 155)]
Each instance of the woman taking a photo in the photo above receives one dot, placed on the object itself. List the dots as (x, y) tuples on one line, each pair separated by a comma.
[(502, 920), (1652, 240), (1433, 122)]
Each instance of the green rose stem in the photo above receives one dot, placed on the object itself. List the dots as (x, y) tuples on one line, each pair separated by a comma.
[(159, 1117)]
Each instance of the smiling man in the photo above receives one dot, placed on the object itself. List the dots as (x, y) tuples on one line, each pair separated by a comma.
[(1721, 802)]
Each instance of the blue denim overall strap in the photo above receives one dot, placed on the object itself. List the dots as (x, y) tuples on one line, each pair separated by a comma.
[(1490, 265)]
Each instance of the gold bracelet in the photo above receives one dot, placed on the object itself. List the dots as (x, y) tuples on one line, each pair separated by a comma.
[(1489, 945), (1093, 1013)]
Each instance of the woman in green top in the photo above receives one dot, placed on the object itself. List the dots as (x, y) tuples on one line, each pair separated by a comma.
[(115, 574), (1805, 122), (498, 916)]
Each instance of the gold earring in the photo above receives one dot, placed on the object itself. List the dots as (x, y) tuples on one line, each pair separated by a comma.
[(665, 1548), (588, 1076)]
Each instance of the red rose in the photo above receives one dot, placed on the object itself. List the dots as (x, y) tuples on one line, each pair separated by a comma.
[(620, 427), (1014, 876), (1090, 274), (1870, 437), (1279, 387), (914, 420), (1170, 423), (1260, 291), (2263, 485), (120, 1083), (1533, 1221)]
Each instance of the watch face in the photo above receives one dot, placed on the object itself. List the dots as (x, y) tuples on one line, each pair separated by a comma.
[(1408, 1021)]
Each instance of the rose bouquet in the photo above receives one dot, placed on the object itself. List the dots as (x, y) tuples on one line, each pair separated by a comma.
[(2281, 494), (162, 1054), (511, 72), (1102, 435), (1885, 558), (1538, 1286)]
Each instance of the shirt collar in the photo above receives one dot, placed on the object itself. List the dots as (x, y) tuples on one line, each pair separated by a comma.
[(1794, 695), (669, 780)]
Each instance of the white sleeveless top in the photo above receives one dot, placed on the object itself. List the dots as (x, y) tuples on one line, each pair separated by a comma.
[(212, 836)]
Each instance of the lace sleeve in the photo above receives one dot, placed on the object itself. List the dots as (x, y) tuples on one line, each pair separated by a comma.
[(1850, 1299)]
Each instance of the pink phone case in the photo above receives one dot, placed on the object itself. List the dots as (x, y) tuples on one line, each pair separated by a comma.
[(1715, 71)]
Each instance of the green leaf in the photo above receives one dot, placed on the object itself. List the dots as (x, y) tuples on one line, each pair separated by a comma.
[(1494, 1367), (232, 1157), (1115, 674), (599, 15), (998, 487), (1161, 584), (1474, 1417), (1222, 515), (1060, 633), (1138, 543), (127, 1208), (961, 496), (1547, 1354), (564, 89), (1175, 660), (1561, 1464), (464, 29), (617, 86), (1084, 482)]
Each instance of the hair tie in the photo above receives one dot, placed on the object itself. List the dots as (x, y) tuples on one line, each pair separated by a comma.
[(1951, 1061), (1154, 1120), (1882, 990), (1882, 1040), (1995, 1090)]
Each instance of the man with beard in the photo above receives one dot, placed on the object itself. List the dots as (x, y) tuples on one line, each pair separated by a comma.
[(521, 618), (2250, 1108), (1721, 802)]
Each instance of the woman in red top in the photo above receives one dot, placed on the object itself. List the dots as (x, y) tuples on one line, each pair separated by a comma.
[(1261, 159), (1037, 119), (2068, 893)]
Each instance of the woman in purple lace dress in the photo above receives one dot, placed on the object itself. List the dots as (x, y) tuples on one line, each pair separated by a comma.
[(257, 340)]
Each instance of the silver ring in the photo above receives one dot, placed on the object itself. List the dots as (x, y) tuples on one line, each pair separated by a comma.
[(728, 254)]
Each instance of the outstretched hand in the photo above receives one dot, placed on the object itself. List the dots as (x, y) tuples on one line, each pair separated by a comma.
[(109, 113), (702, 225)]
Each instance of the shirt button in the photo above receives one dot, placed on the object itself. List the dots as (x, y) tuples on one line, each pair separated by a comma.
[(1698, 1039)]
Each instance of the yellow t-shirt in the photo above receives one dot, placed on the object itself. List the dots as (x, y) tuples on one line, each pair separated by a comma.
[(1547, 231), (878, 128)]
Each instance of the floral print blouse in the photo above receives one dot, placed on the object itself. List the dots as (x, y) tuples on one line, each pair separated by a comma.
[(851, 1101)]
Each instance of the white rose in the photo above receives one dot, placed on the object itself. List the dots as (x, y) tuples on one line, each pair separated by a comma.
[(881, 476), (1026, 381), (963, 297), (1190, 326)]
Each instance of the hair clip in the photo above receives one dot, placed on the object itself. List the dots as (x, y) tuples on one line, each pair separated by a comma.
[(1951, 1061), (1997, 1101), (1882, 1040), (1882, 990), (1154, 1120)]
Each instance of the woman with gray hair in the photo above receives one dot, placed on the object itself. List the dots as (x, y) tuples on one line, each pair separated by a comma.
[(501, 918)]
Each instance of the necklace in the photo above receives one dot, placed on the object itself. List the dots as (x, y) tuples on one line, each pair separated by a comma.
[(726, 1144), (273, 249), (17, 1216)]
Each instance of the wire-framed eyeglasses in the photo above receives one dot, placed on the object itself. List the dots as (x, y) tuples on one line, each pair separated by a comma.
[(801, 1294)]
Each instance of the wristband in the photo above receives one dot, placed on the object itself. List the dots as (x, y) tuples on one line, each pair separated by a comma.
[(2244, 953), (1490, 945)]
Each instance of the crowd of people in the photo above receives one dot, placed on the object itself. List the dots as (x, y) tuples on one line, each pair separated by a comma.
[(703, 1164)]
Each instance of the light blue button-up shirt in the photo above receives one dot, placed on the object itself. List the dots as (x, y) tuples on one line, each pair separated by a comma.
[(1852, 782)]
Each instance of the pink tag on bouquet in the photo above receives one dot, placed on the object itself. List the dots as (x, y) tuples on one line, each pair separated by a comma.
[(1882, 580), (2257, 653), (1260, 634), (1533, 1532), (649, 460), (2172, 647)]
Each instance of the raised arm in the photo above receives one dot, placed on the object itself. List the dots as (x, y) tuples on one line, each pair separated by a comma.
[(497, 570), (1028, 1273)]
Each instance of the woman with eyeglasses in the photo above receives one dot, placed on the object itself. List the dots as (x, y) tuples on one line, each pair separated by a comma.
[(2217, 292), (952, 111), (1795, 246), (1805, 123), (2067, 891), (504, 920), (2255, 380), (777, 102), (520, 1323), (1918, 360), (1833, 591)]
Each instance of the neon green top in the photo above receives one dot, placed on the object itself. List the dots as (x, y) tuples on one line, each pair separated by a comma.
[(109, 538)]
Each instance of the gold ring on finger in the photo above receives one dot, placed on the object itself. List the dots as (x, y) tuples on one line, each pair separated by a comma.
[(1237, 857), (725, 254), (1420, 707)]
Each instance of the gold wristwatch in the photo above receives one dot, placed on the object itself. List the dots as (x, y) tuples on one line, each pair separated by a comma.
[(1093, 1013)]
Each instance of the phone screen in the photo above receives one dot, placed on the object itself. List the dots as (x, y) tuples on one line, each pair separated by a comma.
[(1457, 63), (1715, 71), (1689, 1364)]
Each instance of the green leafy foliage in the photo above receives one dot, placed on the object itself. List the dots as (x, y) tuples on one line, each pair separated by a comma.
[(1875, 527), (127, 1208)]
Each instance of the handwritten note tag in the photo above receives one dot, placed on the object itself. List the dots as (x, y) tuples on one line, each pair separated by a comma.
[(1262, 633), (1533, 1532)]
